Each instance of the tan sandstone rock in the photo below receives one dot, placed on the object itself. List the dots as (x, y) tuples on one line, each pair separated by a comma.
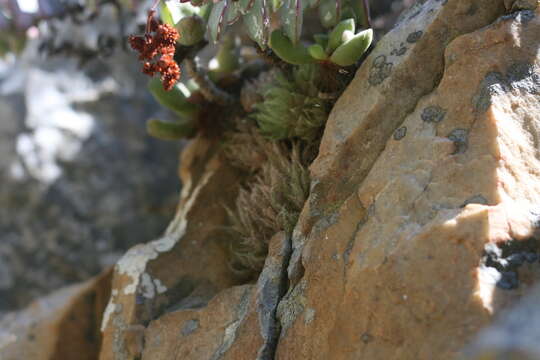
[(423, 207), (197, 333), (239, 323), (183, 269), (421, 224), (62, 326)]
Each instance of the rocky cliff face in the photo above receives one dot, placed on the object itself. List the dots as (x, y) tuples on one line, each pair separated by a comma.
[(421, 227)]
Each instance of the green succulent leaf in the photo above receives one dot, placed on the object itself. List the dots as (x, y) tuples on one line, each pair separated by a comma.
[(192, 29), (165, 14), (292, 15), (175, 99), (228, 55), (329, 12), (321, 39), (171, 11), (351, 50), (246, 5), (291, 107), (335, 38), (234, 13), (317, 52), (257, 22), (284, 48), (277, 4), (166, 130), (217, 19), (205, 11)]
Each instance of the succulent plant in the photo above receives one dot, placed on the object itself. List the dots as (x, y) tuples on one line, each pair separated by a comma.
[(175, 100), (341, 47), (291, 107), (256, 15), (170, 130), (192, 29), (227, 58)]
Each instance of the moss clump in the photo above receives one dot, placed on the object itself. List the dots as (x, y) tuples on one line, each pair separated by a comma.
[(292, 108)]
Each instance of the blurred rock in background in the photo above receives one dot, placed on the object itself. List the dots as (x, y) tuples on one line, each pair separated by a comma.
[(81, 180)]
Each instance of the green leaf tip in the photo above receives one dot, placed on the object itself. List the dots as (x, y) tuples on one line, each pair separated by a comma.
[(284, 48), (166, 130), (175, 99), (335, 37), (351, 50)]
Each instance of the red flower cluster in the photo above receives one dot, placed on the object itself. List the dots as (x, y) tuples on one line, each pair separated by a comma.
[(157, 51)]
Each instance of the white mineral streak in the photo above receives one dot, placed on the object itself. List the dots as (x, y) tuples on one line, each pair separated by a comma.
[(160, 288), (487, 281), (133, 263), (109, 310)]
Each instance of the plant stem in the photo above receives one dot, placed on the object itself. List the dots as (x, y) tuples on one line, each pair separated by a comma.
[(207, 88), (367, 16)]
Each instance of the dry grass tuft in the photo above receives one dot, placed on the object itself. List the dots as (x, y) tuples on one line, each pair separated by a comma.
[(270, 201)]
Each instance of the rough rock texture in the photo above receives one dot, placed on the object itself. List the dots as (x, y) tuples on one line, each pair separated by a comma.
[(197, 333), (429, 158), (422, 223), (64, 325), (239, 323), (257, 334), (185, 267), (81, 180)]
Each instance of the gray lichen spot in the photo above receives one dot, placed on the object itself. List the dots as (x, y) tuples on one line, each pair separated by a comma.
[(366, 338), (460, 137), (399, 52), (433, 114), (190, 326), (493, 84), (400, 133), (291, 306), (476, 199), (414, 36), (520, 76), (414, 14), (380, 70), (309, 315)]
